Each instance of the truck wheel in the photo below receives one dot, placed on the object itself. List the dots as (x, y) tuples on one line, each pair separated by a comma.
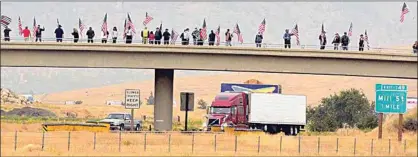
[(137, 127), (121, 127)]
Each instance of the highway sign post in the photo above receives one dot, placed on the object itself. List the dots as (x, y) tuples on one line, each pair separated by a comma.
[(187, 104), (391, 99), (132, 101)]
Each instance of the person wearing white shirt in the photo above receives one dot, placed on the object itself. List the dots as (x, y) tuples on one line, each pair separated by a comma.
[(129, 34), (114, 34), (105, 36)]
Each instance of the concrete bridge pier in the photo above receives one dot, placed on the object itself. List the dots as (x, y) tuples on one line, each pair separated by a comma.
[(163, 104)]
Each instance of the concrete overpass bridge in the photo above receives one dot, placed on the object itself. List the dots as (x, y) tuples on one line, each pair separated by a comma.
[(166, 59)]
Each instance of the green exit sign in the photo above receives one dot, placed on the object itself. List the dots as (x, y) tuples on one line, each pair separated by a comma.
[(391, 98)]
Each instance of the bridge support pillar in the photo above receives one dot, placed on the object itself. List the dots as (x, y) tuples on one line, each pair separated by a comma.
[(163, 104)]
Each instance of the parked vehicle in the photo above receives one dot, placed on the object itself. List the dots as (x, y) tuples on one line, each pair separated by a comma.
[(270, 112), (121, 121)]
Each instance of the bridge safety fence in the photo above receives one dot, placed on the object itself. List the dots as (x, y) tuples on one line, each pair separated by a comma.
[(195, 143), (136, 41)]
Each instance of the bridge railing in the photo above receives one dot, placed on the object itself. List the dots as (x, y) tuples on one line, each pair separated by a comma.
[(137, 41)]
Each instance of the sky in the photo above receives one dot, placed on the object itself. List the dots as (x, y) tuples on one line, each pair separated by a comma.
[(381, 19)]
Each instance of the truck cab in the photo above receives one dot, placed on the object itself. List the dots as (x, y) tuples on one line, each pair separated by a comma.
[(228, 109)]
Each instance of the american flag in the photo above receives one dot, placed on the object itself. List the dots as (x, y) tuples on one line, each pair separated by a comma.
[(262, 27), (350, 30), (366, 38), (35, 28), (404, 11), (20, 27), (147, 19), (218, 37), (104, 25), (130, 24), (125, 29), (295, 32), (203, 33), (174, 36), (81, 26), (5, 20), (238, 32)]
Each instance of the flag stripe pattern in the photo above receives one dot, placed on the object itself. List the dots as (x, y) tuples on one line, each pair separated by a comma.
[(20, 27), (218, 37), (125, 29), (104, 25), (295, 32), (130, 24), (5, 20), (405, 10), (238, 32), (203, 33), (350, 30), (366, 38), (81, 26), (35, 29), (147, 19), (174, 36), (262, 27)]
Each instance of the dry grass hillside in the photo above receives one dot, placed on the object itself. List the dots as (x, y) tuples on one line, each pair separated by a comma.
[(206, 87)]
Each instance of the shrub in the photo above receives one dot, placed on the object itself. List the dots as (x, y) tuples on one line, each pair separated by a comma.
[(202, 104), (410, 124)]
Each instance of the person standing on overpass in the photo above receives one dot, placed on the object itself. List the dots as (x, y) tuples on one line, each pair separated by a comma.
[(345, 41), (287, 38), (258, 39), (59, 33), (415, 47), (361, 43), (336, 41), (228, 38), (114, 34), (129, 35), (7, 31), (212, 37), (166, 36), (158, 36), (144, 35), (38, 33), (75, 35), (26, 33), (90, 35)]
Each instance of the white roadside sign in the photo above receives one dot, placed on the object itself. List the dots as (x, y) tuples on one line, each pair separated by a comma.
[(132, 98)]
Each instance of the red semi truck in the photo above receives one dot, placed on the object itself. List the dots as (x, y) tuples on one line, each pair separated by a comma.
[(270, 112)]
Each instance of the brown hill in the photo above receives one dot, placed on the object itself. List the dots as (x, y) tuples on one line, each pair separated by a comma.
[(206, 87)]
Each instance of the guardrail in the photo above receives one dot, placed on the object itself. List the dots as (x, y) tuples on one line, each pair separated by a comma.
[(136, 41)]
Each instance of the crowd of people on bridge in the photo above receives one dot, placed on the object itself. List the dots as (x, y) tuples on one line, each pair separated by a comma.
[(198, 38)]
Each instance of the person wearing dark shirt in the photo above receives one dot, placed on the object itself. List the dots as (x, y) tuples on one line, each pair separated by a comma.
[(361, 43), (38, 33), (228, 38), (75, 35), (415, 47), (158, 36), (7, 31), (258, 39), (59, 33), (322, 40), (90, 35), (287, 38), (166, 36), (345, 41), (212, 37), (336, 41)]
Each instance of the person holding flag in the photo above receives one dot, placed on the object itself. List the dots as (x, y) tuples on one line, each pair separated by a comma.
[(75, 35), (322, 40), (158, 35), (114, 34), (228, 37), (38, 33), (361, 43), (287, 38), (145, 35), (59, 33), (6, 32), (258, 39), (345, 40)]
